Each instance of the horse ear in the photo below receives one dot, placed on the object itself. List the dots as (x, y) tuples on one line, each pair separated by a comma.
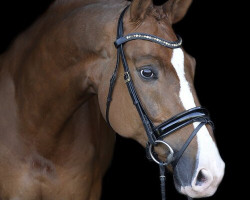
[(139, 8), (176, 9)]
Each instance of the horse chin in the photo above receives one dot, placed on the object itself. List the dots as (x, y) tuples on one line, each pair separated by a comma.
[(189, 191)]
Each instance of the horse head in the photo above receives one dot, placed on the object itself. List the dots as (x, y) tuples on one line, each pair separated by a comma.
[(164, 81)]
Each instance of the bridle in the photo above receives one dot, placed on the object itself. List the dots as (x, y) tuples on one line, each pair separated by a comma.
[(155, 134)]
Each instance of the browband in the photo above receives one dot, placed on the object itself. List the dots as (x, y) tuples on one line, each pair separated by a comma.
[(148, 37)]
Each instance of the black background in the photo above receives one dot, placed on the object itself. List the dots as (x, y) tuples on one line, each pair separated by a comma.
[(212, 33)]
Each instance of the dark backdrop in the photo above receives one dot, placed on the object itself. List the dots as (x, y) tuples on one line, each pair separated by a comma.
[(212, 34)]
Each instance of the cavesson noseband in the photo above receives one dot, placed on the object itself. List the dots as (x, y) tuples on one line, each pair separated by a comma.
[(155, 134)]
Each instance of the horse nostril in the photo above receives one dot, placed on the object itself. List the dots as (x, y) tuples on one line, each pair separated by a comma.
[(202, 181), (201, 178)]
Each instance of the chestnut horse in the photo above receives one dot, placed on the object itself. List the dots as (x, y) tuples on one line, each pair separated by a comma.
[(54, 82)]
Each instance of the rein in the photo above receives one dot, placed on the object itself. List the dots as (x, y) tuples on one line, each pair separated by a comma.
[(155, 134)]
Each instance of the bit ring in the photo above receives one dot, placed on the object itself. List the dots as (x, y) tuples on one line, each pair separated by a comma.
[(170, 157)]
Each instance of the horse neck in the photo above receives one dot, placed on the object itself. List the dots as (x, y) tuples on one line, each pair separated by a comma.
[(56, 65)]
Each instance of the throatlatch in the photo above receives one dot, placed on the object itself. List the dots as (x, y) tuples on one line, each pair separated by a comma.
[(155, 134)]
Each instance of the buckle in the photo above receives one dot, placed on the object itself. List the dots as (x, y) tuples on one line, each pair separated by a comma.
[(127, 77)]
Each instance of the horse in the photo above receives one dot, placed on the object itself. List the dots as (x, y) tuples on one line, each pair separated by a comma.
[(55, 142)]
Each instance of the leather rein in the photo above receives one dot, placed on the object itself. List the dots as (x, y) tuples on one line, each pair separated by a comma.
[(155, 134)]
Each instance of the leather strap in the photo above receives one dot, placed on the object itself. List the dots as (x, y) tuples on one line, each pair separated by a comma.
[(197, 114), (148, 37), (179, 153), (114, 75)]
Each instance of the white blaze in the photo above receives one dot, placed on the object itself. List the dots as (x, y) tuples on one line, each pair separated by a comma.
[(208, 155), (185, 92)]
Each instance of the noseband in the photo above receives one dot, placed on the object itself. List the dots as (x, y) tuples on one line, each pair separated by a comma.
[(155, 134)]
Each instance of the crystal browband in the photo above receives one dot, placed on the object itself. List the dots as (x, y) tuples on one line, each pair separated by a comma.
[(151, 38)]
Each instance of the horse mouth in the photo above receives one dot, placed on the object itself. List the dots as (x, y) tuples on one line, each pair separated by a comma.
[(202, 184)]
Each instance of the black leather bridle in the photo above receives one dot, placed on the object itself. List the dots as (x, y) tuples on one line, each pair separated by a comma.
[(155, 134)]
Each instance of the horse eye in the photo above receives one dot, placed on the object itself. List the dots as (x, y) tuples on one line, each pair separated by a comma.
[(147, 73)]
